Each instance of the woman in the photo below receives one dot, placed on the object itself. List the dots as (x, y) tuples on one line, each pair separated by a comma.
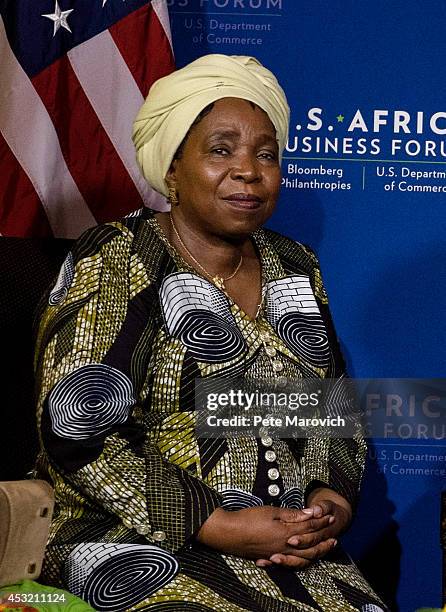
[(149, 516)]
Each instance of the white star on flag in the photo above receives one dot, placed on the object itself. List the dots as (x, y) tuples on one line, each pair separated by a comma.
[(60, 18), (56, 102)]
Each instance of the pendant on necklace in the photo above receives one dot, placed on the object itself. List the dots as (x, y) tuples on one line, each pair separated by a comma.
[(219, 282)]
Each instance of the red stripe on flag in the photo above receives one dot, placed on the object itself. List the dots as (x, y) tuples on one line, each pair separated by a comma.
[(21, 211), (143, 43), (91, 157)]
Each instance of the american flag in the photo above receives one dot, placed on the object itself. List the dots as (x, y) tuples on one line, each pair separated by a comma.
[(73, 75)]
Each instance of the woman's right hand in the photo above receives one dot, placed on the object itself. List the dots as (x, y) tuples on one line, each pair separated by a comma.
[(260, 532)]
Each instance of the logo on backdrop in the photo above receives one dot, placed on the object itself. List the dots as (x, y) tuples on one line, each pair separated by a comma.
[(407, 151), (226, 24)]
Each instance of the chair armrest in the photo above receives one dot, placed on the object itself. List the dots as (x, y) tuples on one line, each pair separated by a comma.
[(26, 508)]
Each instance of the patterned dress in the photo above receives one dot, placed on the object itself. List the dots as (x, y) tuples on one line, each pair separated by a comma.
[(127, 329)]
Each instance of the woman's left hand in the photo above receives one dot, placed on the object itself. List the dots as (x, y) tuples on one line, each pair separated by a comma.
[(310, 546)]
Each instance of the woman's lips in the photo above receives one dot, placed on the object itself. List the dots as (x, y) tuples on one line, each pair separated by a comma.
[(243, 200)]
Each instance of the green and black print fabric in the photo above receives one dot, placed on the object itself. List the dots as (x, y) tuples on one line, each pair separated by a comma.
[(127, 329)]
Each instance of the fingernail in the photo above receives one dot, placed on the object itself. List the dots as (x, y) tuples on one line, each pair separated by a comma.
[(261, 563), (276, 559), (334, 542), (331, 520), (293, 541), (307, 510)]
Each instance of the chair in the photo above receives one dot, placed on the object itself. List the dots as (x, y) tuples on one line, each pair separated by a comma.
[(27, 268)]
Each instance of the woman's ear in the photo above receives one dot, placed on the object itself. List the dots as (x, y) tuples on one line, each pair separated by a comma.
[(171, 176)]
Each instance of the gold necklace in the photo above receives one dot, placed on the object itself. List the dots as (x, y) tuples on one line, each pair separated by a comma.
[(218, 280)]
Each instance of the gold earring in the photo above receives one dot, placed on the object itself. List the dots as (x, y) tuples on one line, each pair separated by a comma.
[(173, 197)]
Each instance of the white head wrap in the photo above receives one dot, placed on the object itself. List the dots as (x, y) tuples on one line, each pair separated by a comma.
[(174, 102)]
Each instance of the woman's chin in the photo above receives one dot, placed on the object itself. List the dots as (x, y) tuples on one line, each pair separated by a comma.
[(244, 218)]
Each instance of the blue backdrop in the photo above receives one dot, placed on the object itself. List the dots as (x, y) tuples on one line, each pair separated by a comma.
[(365, 185)]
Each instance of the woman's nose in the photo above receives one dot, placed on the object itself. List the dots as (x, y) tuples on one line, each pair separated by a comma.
[(246, 167)]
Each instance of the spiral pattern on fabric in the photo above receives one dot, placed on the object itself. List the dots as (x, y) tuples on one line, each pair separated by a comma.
[(60, 290), (306, 336), (89, 401), (128, 577), (293, 498), (340, 399), (234, 499), (210, 338)]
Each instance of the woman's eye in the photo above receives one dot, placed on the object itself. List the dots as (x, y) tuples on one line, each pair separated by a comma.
[(220, 150), (268, 155)]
